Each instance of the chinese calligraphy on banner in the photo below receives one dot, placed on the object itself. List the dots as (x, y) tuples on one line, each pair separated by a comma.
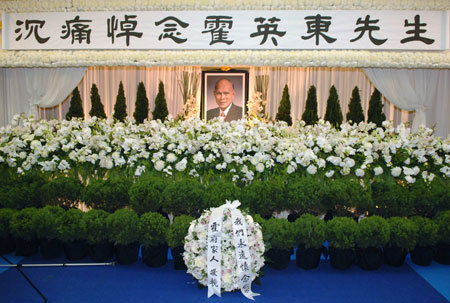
[(291, 30)]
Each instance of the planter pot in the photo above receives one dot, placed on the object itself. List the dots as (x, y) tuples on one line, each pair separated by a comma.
[(51, 248), (308, 258), (177, 254), (101, 252), (155, 256), (127, 254), (7, 244), (26, 247), (341, 258), (279, 258), (75, 250), (422, 255), (442, 254), (370, 258), (394, 256)]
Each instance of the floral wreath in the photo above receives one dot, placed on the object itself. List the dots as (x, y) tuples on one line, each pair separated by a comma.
[(196, 248)]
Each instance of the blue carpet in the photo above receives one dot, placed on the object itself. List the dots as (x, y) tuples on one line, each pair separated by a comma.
[(11, 257), (139, 283)]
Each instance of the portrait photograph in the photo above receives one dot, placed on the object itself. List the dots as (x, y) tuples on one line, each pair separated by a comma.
[(224, 94)]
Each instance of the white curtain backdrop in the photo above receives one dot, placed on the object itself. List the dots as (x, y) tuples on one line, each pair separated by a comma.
[(24, 89), (425, 91)]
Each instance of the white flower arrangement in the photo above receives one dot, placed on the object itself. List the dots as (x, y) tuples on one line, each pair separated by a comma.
[(196, 247)]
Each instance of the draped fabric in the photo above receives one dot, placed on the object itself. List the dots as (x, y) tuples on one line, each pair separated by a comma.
[(425, 91)]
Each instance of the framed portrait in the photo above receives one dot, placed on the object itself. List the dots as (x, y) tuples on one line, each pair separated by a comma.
[(224, 93)]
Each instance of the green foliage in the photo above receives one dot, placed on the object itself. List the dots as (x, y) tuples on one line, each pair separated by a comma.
[(355, 111), (120, 108), (310, 114), (23, 224), (94, 222), (141, 106), (310, 231), (264, 197), (76, 106), (62, 191), (391, 199), (375, 113), (442, 220), (47, 220), (260, 220), (427, 231), (160, 112), (342, 232), (284, 110), (153, 228), (123, 227), (183, 197), (373, 232), (97, 109), (403, 233), (304, 195), (21, 191), (6, 215), (108, 195), (145, 194), (279, 233), (178, 230), (427, 199), (70, 227), (333, 113), (216, 193)]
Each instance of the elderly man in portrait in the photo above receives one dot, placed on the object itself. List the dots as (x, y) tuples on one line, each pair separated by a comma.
[(224, 94)]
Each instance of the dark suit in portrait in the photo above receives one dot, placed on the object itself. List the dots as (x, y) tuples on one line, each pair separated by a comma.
[(235, 113)]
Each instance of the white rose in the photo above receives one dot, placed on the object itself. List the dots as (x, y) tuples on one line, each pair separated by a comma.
[(171, 157), (159, 165), (329, 173), (396, 171), (410, 179), (311, 169), (199, 261), (378, 171), (260, 167), (359, 172)]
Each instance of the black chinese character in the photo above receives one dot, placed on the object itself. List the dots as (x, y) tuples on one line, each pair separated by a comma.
[(317, 26), (170, 29), (218, 27), (238, 221), (245, 278), (241, 244), (213, 239), (32, 26), (213, 282), (214, 259), (77, 29), (246, 288), (213, 272), (242, 255), (368, 27), (215, 227), (266, 29), (244, 266), (239, 232), (214, 249), (127, 28), (416, 31)]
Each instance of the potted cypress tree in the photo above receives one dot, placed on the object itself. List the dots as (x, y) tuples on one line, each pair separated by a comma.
[(402, 239), (183, 197), (217, 192), (373, 234), (442, 220), (279, 233), (310, 114), (427, 237), (145, 194), (341, 235), (304, 195), (391, 199), (284, 110), (310, 232), (72, 233), (23, 230), (120, 107), (47, 219), (141, 106), (375, 113), (355, 111), (175, 238), (76, 106), (109, 195), (153, 228), (160, 112), (264, 197), (97, 109), (333, 113), (6, 241), (123, 227), (63, 191), (100, 248)]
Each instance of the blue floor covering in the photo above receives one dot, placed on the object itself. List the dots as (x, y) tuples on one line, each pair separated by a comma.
[(140, 283)]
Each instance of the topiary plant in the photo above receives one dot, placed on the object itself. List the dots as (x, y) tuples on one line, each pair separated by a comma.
[(62, 191), (70, 228), (97, 109), (402, 233), (123, 227), (342, 232), (94, 222), (284, 110), (120, 107), (178, 230), (375, 113), (141, 106), (76, 106), (264, 197), (153, 228), (390, 199), (145, 194), (442, 219), (183, 197), (427, 198), (108, 195), (372, 232), (217, 192), (160, 112), (47, 220), (333, 113), (310, 114), (355, 111), (279, 233), (23, 224), (6, 215), (21, 191), (304, 195), (427, 231), (310, 231)]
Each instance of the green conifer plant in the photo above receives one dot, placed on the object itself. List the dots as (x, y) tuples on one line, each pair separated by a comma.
[(310, 114), (333, 113), (120, 108), (375, 113), (141, 107), (284, 110), (97, 109), (76, 106), (160, 112), (355, 111)]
